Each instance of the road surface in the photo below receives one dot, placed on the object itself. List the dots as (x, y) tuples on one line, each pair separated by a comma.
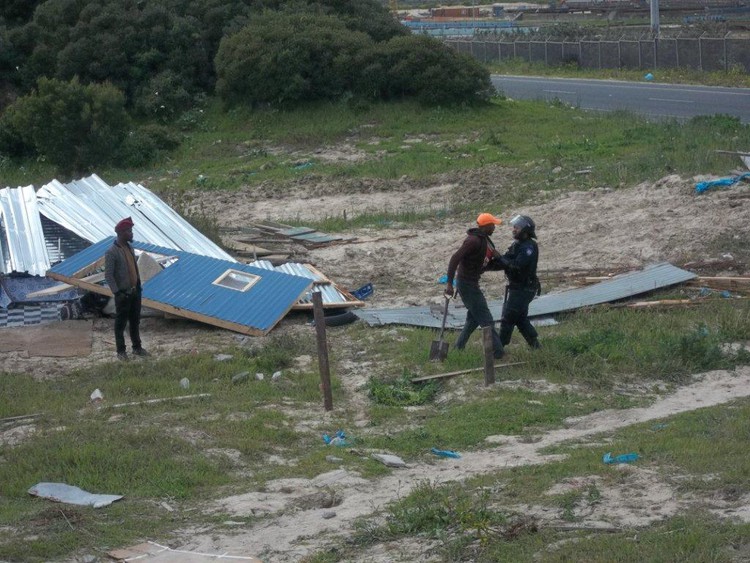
[(652, 100)]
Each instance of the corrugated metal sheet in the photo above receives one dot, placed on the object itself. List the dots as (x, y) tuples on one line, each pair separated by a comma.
[(61, 243), (23, 240), (329, 293), (91, 208), (187, 285), (619, 287)]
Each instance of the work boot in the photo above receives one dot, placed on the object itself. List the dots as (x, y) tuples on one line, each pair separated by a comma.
[(122, 356), (141, 352)]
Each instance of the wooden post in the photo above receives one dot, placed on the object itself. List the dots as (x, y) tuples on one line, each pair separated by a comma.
[(320, 331), (489, 356)]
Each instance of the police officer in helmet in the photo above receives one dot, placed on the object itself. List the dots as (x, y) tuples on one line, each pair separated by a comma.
[(519, 263)]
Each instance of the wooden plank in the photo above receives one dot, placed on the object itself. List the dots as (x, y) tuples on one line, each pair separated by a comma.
[(460, 372)]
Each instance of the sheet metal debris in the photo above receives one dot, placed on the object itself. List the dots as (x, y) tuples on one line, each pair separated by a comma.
[(227, 294), (333, 295), (68, 494), (22, 245), (618, 287)]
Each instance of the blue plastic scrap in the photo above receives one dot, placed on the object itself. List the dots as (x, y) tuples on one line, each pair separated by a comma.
[(363, 292), (445, 453), (623, 458), (338, 439), (701, 187)]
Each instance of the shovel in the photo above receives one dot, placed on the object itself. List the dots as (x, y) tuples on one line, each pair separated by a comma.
[(439, 348)]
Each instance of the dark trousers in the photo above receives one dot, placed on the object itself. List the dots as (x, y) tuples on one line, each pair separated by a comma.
[(128, 312), (516, 314), (477, 314)]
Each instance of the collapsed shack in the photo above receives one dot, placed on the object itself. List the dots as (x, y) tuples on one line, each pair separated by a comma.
[(613, 289), (226, 294), (70, 225)]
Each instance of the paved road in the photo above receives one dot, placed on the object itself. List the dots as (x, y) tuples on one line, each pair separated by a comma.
[(652, 100)]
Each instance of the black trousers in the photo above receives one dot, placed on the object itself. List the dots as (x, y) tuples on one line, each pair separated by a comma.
[(477, 314), (128, 312), (516, 314)]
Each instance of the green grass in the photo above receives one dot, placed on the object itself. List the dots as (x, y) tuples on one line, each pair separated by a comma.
[(733, 78), (528, 140)]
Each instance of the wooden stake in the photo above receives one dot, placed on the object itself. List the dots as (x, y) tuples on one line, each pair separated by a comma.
[(320, 331), (489, 356)]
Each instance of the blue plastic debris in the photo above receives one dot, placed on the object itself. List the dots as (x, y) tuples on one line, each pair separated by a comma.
[(303, 166), (445, 453), (623, 458), (701, 187), (659, 426), (363, 292), (704, 292), (338, 439), (725, 294), (649, 76), (444, 279)]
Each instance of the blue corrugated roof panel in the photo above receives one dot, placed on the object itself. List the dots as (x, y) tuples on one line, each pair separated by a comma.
[(188, 284)]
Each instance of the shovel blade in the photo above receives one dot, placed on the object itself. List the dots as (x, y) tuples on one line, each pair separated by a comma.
[(438, 351)]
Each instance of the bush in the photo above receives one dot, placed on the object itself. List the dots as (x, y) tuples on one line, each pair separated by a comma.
[(284, 59), (424, 68), (75, 127), (143, 145)]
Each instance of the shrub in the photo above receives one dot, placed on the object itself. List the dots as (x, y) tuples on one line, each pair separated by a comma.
[(284, 59), (73, 126), (145, 143), (424, 68)]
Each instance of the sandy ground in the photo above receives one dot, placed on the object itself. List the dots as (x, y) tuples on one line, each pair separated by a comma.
[(601, 230), (595, 231)]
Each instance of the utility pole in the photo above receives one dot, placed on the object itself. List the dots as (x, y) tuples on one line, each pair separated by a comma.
[(655, 17)]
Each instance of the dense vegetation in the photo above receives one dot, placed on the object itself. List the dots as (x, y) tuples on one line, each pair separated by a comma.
[(154, 60)]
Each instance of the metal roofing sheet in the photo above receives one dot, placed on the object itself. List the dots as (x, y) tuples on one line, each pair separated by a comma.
[(329, 293), (90, 208), (23, 244), (188, 285), (619, 287)]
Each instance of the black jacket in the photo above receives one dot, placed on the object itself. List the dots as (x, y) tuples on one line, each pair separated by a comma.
[(519, 263)]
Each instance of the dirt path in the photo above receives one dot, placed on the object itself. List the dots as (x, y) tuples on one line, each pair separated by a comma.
[(299, 531)]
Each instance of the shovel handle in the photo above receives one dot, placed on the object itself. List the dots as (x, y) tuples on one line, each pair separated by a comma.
[(445, 316)]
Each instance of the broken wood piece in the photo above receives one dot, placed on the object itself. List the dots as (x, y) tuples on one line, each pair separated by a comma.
[(460, 372), (21, 417), (659, 303), (152, 401)]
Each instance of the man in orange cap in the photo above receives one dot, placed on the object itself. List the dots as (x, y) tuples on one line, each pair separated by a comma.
[(468, 263), (124, 280)]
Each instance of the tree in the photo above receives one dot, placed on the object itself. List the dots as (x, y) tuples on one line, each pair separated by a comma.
[(284, 59), (74, 126)]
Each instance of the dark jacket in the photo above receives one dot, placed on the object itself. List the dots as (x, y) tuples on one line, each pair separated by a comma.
[(116, 268), (519, 263), (472, 258)]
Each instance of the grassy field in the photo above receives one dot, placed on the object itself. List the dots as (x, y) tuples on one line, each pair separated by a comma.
[(185, 453)]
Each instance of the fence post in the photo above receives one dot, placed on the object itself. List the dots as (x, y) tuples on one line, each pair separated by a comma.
[(726, 56), (489, 355), (700, 53), (320, 331)]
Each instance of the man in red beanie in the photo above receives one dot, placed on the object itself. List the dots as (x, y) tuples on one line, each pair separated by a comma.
[(476, 254), (124, 280)]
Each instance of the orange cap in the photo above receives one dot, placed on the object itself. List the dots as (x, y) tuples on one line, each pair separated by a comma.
[(488, 219)]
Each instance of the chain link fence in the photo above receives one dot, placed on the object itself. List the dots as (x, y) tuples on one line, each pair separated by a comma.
[(703, 53)]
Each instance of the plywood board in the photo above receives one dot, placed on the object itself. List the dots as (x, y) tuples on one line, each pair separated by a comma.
[(62, 339)]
